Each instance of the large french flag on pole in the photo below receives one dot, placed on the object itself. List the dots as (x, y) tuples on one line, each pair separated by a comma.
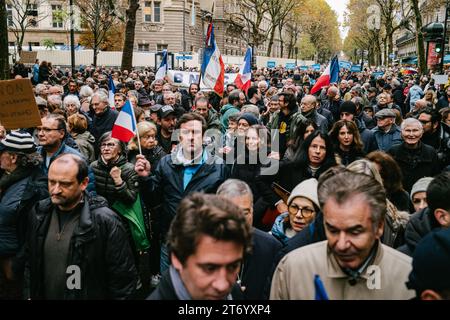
[(330, 75), (125, 126), (111, 92), (213, 68), (162, 71), (243, 79)]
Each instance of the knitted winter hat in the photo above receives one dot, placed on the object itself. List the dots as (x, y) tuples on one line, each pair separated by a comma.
[(18, 141), (420, 186), (306, 189)]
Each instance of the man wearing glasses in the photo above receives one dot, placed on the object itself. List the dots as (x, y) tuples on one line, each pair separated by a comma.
[(51, 137)]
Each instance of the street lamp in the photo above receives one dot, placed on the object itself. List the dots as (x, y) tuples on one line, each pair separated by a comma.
[(72, 39)]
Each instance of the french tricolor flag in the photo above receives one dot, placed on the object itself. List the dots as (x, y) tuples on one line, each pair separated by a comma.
[(111, 92), (125, 126), (330, 75), (243, 79), (213, 68), (162, 70)]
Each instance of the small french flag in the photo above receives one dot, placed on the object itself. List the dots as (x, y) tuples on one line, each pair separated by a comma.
[(162, 71), (111, 92), (125, 126), (243, 79)]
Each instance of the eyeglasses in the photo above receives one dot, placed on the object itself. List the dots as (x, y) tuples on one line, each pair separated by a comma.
[(306, 212), (110, 145), (47, 130)]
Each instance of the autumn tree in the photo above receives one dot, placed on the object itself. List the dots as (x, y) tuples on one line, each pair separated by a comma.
[(250, 14), (319, 22), (278, 11), (98, 16), (26, 14)]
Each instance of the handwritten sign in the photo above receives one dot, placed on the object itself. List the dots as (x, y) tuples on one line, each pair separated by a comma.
[(18, 107), (28, 57)]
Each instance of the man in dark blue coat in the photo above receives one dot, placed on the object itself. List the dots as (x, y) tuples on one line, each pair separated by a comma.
[(190, 168), (257, 266)]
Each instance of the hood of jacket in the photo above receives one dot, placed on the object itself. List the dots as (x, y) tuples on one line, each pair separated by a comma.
[(278, 228), (85, 136), (226, 107)]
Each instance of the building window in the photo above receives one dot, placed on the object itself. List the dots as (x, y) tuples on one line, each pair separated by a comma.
[(57, 21), (32, 13), (9, 10), (33, 44), (161, 47), (157, 11), (11, 44), (152, 11), (143, 47)]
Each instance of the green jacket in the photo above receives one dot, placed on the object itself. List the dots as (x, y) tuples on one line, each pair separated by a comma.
[(226, 111)]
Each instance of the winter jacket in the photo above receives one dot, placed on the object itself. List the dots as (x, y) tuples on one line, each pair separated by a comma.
[(257, 265), (213, 122), (166, 187), (99, 247), (104, 183), (345, 158), (367, 137), (415, 93), (321, 121), (386, 140), (327, 114), (294, 276), (420, 224), (226, 111), (44, 73), (86, 143), (333, 106), (286, 126), (63, 149), (415, 163), (18, 191), (103, 123)]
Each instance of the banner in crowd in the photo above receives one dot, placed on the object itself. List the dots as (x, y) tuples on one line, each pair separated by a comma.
[(184, 78), (18, 108), (345, 65)]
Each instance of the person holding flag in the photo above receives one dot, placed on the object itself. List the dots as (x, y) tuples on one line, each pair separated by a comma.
[(213, 68), (117, 181)]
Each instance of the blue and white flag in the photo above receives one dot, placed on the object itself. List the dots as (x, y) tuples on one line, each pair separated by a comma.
[(111, 92), (162, 71)]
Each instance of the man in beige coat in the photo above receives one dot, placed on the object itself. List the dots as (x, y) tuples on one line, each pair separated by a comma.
[(352, 263)]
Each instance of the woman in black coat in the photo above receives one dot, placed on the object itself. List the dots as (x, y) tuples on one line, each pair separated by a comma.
[(347, 142), (256, 159)]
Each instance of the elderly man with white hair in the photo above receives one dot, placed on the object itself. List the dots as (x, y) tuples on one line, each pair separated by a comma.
[(415, 159), (71, 104), (104, 117)]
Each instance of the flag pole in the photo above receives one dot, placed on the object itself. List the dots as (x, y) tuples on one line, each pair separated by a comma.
[(137, 131)]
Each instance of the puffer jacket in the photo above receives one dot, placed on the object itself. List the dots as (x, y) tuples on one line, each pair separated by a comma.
[(420, 224), (99, 246), (127, 192), (85, 142)]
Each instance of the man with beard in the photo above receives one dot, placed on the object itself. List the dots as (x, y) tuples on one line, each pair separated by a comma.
[(78, 247)]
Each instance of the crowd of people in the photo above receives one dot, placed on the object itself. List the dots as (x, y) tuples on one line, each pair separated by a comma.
[(267, 193)]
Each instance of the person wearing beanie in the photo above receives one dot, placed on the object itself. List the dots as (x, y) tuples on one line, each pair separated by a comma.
[(419, 193), (21, 186), (245, 121), (431, 262), (303, 205)]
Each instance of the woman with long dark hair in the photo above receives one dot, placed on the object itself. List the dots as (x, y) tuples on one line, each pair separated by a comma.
[(315, 156), (347, 142)]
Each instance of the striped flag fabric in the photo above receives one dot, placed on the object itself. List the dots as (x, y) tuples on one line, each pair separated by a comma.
[(125, 126), (330, 75), (243, 79), (111, 92), (162, 70), (213, 68)]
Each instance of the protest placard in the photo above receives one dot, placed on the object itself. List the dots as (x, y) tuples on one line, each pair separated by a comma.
[(18, 107)]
